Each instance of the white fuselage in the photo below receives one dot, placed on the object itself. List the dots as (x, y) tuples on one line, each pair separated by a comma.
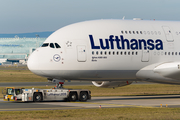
[(111, 50)]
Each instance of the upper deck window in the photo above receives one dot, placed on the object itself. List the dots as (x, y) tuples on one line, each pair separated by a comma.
[(45, 45), (57, 45)]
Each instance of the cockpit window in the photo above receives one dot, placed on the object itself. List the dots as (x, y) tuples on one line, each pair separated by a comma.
[(45, 45), (52, 45), (57, 46)]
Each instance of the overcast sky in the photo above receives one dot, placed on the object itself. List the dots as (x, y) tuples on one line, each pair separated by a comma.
[(21, 16)]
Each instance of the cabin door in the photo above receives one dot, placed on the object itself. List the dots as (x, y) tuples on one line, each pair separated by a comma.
[(168, 34), (81, 53), (145, 55)]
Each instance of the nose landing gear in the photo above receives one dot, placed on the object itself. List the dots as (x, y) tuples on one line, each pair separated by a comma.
[(59, 85)]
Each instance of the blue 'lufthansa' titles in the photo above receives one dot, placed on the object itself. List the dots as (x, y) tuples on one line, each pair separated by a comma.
[(122, 43)]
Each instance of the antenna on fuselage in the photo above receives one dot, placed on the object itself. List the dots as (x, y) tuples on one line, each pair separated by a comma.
[(123, 18)]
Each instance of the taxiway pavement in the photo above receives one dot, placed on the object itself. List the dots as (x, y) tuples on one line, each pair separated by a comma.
[(96, 102)]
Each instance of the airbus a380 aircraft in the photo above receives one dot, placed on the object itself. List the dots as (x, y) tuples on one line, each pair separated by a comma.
[(111, 53)]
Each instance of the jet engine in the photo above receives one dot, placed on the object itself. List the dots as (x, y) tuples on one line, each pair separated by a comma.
[(110, 84), (168, 73)]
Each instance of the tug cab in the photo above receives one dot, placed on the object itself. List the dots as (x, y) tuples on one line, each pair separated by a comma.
[(12, 93)]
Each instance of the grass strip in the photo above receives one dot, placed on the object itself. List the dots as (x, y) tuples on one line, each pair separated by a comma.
[(95, 114), (19, 76)]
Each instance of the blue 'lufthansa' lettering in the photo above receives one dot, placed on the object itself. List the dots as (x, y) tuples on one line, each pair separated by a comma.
[(92, 43), (122, 43)]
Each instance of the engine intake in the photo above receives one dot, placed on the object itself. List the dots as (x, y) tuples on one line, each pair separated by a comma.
[(110, 84)]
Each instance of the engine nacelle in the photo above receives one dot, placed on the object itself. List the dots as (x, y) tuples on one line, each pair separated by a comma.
[(110, 84), (168, 73)]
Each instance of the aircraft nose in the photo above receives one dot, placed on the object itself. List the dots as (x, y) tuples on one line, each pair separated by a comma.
[(33, 63)]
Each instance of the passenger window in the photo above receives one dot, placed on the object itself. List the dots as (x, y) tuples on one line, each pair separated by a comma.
[(96, 52), (117, 52), (93, 52), (113, 52), (105, 52), (132, 53), (155, 33), (52, 45), (109, 52), (122, 32), (45, 45), (57, 45), (101, 53), (121, 52)]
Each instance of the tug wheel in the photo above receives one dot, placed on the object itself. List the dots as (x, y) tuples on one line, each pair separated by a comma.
[(72, 97), (37, 97)]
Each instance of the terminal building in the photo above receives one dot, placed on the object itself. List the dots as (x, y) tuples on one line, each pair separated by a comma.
[(16, 50)]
